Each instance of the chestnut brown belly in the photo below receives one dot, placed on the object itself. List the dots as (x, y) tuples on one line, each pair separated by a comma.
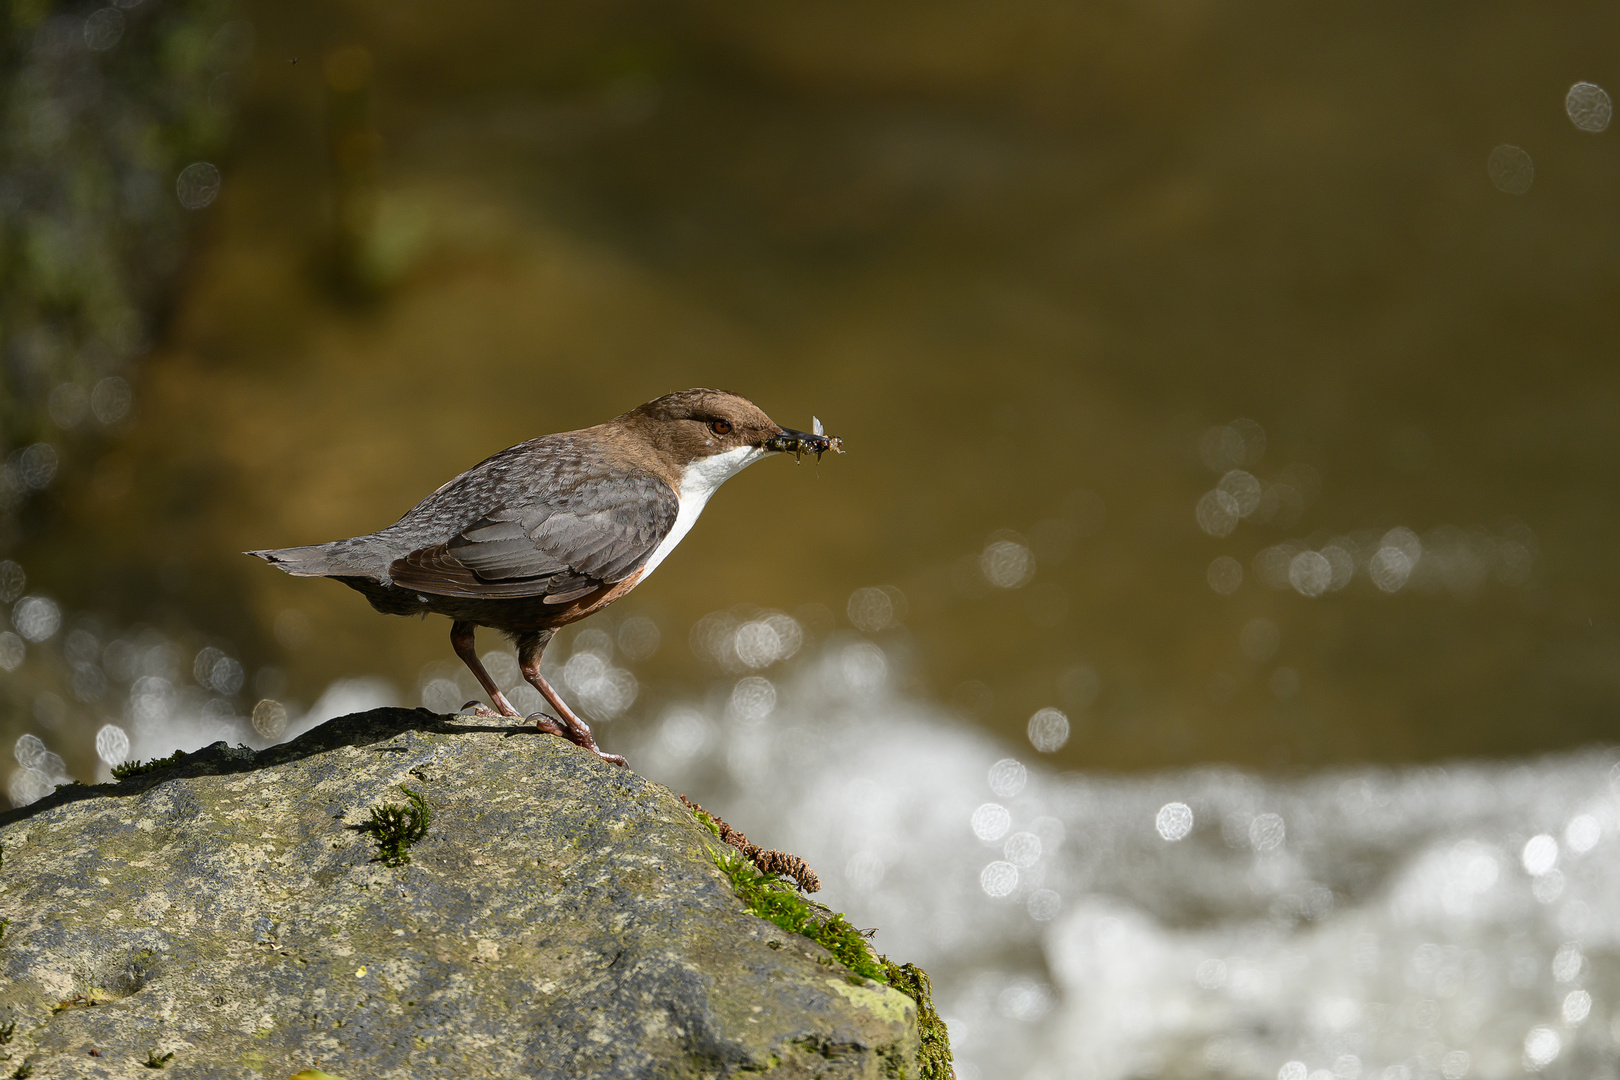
[(515, 614)]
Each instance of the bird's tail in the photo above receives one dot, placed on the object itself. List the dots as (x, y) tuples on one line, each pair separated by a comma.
[(316, 560)]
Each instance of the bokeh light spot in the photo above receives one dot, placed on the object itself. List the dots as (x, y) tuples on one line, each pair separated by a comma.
[(1244, 489), (112, 744), (1024, 999), (998, 879), (1389, 568), (1217, 513), (1229, 446), (103, 29), (1044, 905), (1310, 573), (602, 689), (1007, 564), (111, 399), (12, 651), (12, 581), (870, 610), (441, 696), (36, 465), (270, 718), (1588, 106), (1174, 821), (1540, 854), (68, 404), (36, 618), (638, 638), (1023, 850), (1548, 887), (683, 733), (1582, 833), (1048, 730), (865, 668), (990, 822), (1224, 575), (1342, 563), (1567, 962), (752, 700), (758, 645), (1541, 1047), (1267, 832), (1007, 777), (1577, 1007), (197, 185), (1510, 170)]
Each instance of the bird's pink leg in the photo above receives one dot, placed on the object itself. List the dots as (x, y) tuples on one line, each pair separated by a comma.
[(530, 647), (461, 640)]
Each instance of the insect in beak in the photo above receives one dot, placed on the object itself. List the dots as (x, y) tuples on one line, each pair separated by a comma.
[(798, 443)]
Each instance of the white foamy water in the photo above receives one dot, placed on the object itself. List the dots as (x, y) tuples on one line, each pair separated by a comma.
[(1360, 924)]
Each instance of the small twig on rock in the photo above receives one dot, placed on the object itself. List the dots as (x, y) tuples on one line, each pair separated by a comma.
[(768, 860)]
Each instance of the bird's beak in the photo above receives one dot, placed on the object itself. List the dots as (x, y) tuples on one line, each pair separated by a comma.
[(799, 443)]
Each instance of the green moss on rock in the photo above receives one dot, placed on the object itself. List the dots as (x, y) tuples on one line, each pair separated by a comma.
[(778, 902), (141, 768), (934, 1056), (397, 827)]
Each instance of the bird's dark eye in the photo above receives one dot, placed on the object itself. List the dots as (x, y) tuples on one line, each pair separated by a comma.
[(720, 427)]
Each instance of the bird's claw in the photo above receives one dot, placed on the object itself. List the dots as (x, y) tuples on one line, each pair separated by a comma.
[(552, 726), (480, 710), (547, 724)]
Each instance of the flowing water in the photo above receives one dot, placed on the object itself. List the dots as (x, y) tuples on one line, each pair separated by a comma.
[(1225, 539), (1387, 923)]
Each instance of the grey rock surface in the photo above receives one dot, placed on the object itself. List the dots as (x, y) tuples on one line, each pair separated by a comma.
[(561, 918)]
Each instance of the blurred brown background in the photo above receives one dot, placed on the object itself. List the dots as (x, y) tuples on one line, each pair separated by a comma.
[(1028, 259)]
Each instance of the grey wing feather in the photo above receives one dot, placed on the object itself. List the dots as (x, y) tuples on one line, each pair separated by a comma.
[(498, 547), (598, 534)]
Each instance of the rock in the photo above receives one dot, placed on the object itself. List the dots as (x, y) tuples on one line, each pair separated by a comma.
[(559, 918)]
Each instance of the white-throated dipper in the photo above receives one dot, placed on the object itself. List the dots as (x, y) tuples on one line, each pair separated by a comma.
[(555, 529)]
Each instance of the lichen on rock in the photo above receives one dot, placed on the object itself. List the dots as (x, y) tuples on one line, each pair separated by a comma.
[(559, 918)]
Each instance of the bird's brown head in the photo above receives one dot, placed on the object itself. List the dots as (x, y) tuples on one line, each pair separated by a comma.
[(694, 424)]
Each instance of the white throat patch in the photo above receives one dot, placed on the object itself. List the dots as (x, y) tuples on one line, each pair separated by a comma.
[(700, 480)]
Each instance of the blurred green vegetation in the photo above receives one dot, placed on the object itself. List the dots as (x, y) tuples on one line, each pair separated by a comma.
[(92, 238), (97, 119)]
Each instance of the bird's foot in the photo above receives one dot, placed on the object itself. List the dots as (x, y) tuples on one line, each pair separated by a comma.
[(552, 726), (547, 724), (479, 709)]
